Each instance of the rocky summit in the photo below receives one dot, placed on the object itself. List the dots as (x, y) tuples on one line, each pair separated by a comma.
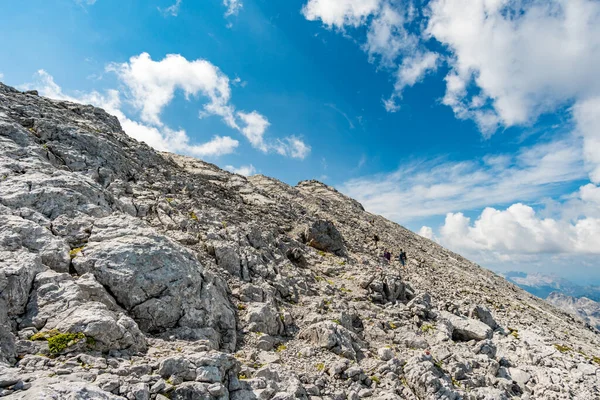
[(126, 273)]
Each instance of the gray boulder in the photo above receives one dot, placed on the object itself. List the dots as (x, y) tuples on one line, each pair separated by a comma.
[(228, 258), (160, 282), (323, 235), (427, 381), (63, 388), (484, 315), (264, 318), (58, 302), (465, 329), (20, 235), (334, 337)]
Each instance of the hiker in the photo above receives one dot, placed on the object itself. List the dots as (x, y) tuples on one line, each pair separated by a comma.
[(387, 255), (402, 257)]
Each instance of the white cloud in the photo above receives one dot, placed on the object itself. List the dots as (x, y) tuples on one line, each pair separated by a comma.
[(1, 76), (233, 7), (337, 13), (413, 69), (172, 10), (390, 104), (255, 128), (587, 117), (386, 37), (426, 232), (526, 58), (159, 137), (245, 170), (388, 42), (292, 146), (510, 61), (518, 230), (435, 187), (152, 85)]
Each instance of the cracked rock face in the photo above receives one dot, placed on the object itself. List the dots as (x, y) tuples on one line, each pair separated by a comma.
[(131, 274)]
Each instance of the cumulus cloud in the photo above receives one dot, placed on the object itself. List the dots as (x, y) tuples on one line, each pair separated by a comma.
[(152, 85), (518, 230), (426, 232), (337, 13), (160, 137), (387, 38), (233, 7), (255, 128), (172, 10), (525, 58), (245, 170)]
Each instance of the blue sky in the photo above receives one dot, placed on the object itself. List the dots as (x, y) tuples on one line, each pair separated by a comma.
[(474, 122)]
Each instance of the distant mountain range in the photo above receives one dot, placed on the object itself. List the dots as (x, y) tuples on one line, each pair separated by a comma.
[(586, 309), (582, 301), (542, 285)]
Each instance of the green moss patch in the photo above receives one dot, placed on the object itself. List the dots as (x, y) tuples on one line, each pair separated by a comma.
[(562, 349), (73, 253), (58, 342)]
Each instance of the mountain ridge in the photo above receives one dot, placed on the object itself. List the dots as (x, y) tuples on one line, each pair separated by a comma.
[(130, 273)]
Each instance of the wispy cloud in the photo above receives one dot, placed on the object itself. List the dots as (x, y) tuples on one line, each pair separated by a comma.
[(435, 187), (343, 114), (172, 10), (233, 7)]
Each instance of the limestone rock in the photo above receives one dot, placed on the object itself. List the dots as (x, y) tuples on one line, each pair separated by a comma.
[(465, 329), (58, 388), (323, 235), (265, 318), (483, 314), (161, 283), (333, 337), (58, 302)]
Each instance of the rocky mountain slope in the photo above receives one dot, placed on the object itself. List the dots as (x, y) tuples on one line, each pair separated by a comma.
[(130, 274), (586, 309)]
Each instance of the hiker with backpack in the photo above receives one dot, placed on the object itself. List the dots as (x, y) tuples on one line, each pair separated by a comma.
[(402, 257)]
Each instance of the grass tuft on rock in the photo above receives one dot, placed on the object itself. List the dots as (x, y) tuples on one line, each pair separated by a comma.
[(60, 342), (57, 341), (281, 348), (562, 348), (74, 252)]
